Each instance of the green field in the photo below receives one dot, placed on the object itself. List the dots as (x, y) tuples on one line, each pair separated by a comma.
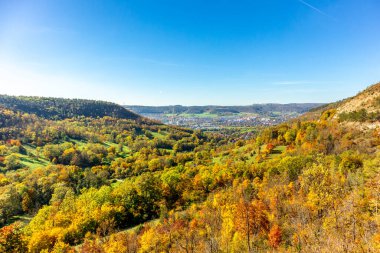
[(194, 115)]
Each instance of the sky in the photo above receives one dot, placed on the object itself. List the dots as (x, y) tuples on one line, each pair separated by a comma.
[(190, 52)]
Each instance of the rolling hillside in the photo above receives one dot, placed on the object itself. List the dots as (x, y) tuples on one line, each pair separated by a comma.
[(117, 185)]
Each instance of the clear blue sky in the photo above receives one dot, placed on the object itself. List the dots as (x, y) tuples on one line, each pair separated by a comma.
[(190, 52)]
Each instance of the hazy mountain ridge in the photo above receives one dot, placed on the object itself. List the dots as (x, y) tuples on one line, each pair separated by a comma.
[(216, 117), (255, 108)]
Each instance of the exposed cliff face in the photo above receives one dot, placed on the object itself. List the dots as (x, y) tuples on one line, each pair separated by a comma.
[(369, 99), (361, 112)]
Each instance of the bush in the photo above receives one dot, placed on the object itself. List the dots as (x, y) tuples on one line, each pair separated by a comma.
[(361, 116)]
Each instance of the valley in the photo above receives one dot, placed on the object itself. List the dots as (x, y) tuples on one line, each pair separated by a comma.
[(217, 117), (190, 126), (93, 182)]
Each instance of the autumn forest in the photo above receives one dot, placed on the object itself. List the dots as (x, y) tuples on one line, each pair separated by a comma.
[(118, 182)]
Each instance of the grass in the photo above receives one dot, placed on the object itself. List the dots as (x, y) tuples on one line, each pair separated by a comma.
[(79, 143), (158, 135), (135, 228), (217, 159), (116, 182), (277, 151), (280, 148), (33, 162), (194, 115), (22, 218), (212, 115)]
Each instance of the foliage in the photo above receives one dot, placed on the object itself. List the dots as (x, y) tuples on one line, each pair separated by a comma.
[(12, 239), (110, 185), (361, 116)]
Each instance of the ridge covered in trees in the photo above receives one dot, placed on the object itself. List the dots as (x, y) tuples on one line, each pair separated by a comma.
[(120, 185), (60, 108)]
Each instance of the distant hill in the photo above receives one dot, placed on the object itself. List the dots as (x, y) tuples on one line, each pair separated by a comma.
[(216, 117), (60, 108), (213, 109)]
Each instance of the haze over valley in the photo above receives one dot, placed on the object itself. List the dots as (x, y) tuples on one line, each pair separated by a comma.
[(216, 117)]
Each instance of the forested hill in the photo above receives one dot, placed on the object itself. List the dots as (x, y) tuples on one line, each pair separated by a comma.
[(215, 109), (60, 108)]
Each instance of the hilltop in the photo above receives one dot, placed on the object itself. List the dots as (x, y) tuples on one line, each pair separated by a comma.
[(368, 99), (363, 108), (60, 108)]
